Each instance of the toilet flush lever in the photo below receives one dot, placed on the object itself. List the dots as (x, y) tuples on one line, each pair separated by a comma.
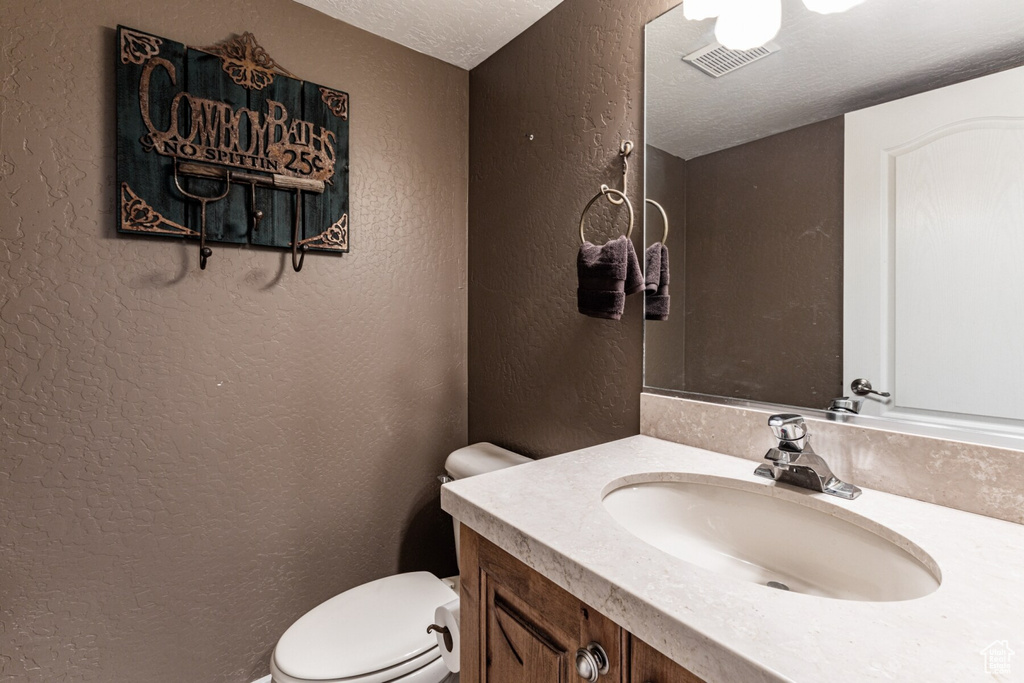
[(445, 633)]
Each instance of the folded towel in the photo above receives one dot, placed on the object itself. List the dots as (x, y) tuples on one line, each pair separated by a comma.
[(606, 275), (656, 298), (652, 267)]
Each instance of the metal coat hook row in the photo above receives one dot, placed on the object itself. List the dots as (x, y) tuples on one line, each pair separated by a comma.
[(276, 182), (625, 149)]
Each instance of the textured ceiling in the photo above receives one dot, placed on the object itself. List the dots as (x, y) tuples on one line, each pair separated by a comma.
[(460, 32), (828, 65)]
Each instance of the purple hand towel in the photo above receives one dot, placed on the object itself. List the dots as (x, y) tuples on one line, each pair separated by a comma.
[(607, 274), (656, 297), (652, 267)]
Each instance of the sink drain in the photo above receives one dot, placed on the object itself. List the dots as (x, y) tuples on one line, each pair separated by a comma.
[(777, 584)]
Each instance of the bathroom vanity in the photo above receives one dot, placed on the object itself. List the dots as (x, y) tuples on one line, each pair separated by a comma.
[(584, 548), (519, 626)]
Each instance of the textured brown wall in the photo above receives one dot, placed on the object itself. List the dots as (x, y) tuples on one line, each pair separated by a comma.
[(543, 378), (665, 340), (190, 460), (764, 268)]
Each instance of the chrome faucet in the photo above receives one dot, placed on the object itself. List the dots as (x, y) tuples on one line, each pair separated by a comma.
[(794, 462), (845, 405)]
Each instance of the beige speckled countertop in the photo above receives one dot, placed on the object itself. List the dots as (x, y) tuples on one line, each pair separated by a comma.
[(549, 515)]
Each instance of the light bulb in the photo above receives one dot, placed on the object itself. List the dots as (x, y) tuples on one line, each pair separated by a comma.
[(696, 10), (746, 24), (830, 6)]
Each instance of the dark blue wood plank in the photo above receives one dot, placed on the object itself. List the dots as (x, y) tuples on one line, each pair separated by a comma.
[(278, 206), (327, 214), (144, 177), (227, 219)]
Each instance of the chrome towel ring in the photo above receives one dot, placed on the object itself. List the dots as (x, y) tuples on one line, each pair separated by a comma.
[(607, 193), (664, 217)]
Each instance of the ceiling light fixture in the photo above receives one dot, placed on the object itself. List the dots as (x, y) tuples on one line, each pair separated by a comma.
[(746, 24), (830, 6), (698, 10)]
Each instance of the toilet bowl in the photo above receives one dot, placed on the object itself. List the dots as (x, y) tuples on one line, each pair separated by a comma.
[(377, 632)]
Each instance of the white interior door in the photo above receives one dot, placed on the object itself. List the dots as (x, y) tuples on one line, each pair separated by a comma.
[(934, 254)]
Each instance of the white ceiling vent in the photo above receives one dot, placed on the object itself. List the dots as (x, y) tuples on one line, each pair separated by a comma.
[(717, 60)]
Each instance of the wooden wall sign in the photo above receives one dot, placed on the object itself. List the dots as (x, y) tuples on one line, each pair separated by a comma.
[(222, 144)]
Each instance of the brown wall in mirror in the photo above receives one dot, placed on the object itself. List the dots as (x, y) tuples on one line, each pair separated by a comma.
[(665, 340), (763, 271), (190, 460)]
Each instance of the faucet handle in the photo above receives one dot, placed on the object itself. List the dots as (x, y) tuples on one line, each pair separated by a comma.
[(844, 404), (788, 427)]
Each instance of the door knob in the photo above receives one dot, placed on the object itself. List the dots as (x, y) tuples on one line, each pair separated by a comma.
[(862, 387), (591, 662)]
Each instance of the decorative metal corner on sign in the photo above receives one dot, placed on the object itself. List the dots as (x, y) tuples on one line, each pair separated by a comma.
[(334, 237), (136, 47), (247, 63), (136, 214), (336, 101)]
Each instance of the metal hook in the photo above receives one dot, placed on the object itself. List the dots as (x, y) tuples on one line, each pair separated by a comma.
[(296, 259), (204, 251), (257, 214), (625, 149)]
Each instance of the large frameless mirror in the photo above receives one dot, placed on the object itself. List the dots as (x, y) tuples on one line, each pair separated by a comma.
[(846, 211)]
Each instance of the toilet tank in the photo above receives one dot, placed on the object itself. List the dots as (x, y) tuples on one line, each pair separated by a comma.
[(479, 458)]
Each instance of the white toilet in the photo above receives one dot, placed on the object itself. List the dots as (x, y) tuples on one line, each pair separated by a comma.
[(377, 632)]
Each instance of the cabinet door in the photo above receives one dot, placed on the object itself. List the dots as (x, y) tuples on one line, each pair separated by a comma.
[(647, 665), (519, 627), (519, 648)]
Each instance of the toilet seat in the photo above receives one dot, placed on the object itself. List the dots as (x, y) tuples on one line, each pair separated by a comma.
[(434, 671), (373, 633)]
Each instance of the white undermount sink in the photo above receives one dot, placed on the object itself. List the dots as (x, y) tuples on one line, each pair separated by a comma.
[(768, 536)]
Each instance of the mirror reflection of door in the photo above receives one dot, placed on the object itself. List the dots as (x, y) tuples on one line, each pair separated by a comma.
[(934, 253)]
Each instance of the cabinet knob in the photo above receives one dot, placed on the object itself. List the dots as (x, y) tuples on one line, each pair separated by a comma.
[(591, 662)]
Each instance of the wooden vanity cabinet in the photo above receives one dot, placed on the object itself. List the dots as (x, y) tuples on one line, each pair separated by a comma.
[(647, 665), (519, 627)]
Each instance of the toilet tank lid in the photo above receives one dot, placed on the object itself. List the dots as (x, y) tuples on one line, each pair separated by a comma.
[(480, 458)]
